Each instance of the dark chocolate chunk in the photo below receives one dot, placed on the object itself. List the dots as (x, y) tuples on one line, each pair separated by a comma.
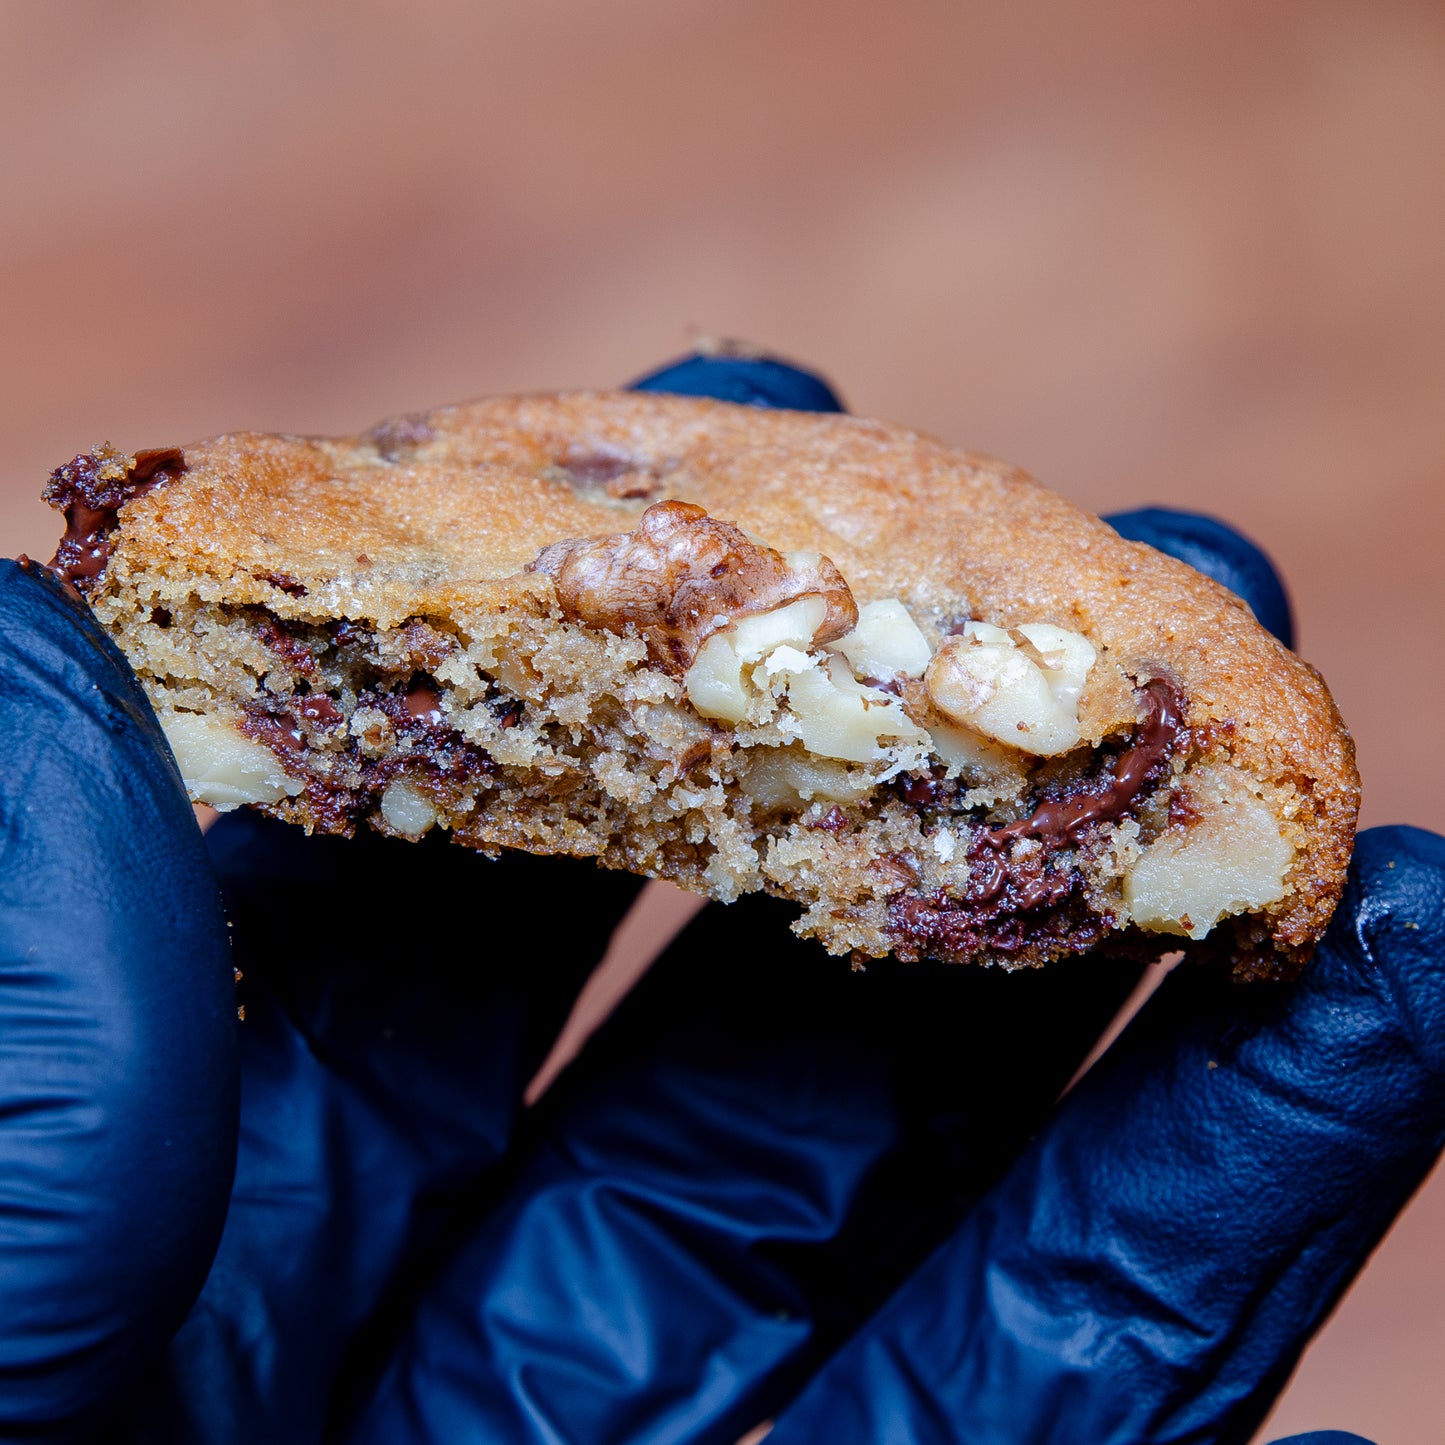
[(1017, 896), (90, 490), (399, 437), (925, 792), (416, 712), (422, 701), (615, 473), (434, 757), (507, 711), (289, 641), (833, 821), (318, 708), (1060, 820), (279, 731), (285, 582), (595, 468)]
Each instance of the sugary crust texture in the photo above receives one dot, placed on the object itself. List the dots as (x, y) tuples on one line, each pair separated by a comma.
[(437, 516)]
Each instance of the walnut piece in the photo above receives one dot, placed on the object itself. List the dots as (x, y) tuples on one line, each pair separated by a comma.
[(223, 767), (1024, 697), (407, 809), (783, 778), (1229, 858), (682, 575), (764, 668), (886, 644)]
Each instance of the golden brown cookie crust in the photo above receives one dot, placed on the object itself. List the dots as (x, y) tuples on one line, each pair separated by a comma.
[(437, 518)]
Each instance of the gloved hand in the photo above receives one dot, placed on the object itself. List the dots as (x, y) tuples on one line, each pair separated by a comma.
[(769, 1187)]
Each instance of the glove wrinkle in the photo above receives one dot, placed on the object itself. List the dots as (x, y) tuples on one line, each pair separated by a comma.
[(723, 1184), (398, 997), (117, 1080), (1151, 1269)]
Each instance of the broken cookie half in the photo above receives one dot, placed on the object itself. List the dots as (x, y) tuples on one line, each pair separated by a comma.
[(943, 710)]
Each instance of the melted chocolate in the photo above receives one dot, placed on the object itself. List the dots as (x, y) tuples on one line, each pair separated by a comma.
[(396, 440), (924, 792), (332, 808), (318, 708), (594, 469), (345, 633), (279, 731), (91, 489), (439, 757), (1061, 820), (423, 702), (1013, 898), (416, 712), (835, 820), (285, 582), (1027, 908), (507, 711), (288, 640), (618, 475)]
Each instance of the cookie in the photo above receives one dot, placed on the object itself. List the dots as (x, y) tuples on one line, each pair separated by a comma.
[(942, 709)]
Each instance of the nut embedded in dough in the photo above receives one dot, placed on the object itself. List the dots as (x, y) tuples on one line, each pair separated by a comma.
[(984, 680), (681, 576)]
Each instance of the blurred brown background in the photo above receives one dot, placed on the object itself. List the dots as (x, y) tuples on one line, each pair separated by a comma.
[(1155, 252)]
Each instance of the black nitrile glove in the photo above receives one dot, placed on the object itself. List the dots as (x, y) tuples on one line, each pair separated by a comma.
[(769, 1187)]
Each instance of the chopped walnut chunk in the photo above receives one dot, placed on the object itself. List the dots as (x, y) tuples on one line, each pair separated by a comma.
[(1024, 697), (682, 575)]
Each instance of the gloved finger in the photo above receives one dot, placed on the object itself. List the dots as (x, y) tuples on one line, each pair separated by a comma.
[(398, 998), (408, 1082), (749, 380), (746, 1159), (1219, 552), (885, 1180), (1153, 1267), (117, 1012), (1325, 1437)]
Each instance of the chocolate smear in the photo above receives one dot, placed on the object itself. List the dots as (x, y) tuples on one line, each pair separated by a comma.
[(1059, 821), (1013, 898), (285, 582), (397, 439), (91, 489)]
